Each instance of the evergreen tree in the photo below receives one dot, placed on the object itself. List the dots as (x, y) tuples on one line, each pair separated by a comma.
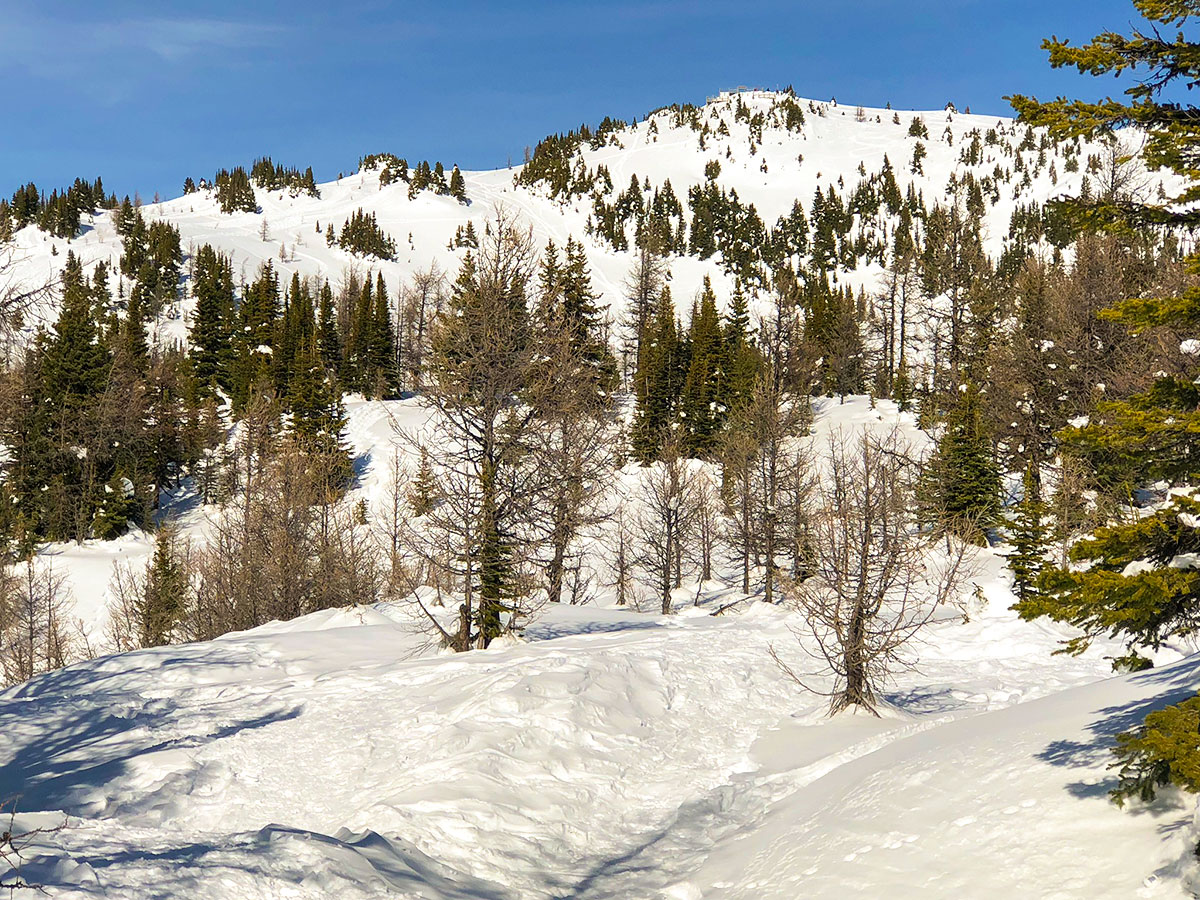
[(658, 381), (76, 362), (458, 186), (743, 359), (317, 416), (423, 492), (963, 476), (1028, 537), (252, 346), (1151, 436), (213, 320), (702, 406), (164, 593), (235, 193), (328, 338)]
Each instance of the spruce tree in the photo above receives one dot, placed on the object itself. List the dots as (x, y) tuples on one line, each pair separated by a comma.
[(164, 593), (963, 475), (702, 403), (1150, 436), (1028, 536), (658, 381), (458, 186), (213, 320)]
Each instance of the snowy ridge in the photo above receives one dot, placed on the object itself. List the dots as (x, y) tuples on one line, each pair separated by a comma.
[(833, 148)]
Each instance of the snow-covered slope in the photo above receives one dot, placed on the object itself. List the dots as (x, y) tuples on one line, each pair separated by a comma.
[(765, 162), (612, 755), (608, 754)]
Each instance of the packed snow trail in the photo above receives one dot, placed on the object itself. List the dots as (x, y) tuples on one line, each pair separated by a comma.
[(611, 755)]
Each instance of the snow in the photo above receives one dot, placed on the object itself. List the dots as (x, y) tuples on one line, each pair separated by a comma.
[(610, 754), (606, 753)]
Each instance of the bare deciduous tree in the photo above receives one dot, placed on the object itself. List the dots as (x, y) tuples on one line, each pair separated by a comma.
[(665, 520), (420, 301), (764, 466), (876, 580), (37, 633)]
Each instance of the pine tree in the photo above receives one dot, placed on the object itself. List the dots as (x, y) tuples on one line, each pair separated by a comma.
[(383, 370), (235, 193), (76, 362), (252, 346), (213, 321), (658, 381), (164, 593), (743, 359), (701, 405), (423, 492), (327, 331), (458, 186), (318, 419)]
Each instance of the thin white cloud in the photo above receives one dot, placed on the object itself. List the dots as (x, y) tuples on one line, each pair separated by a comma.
[(177, 39), (98, 54)]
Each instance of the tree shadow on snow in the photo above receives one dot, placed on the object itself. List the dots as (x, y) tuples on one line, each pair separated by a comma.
[(548, 631), (67, 736), (1179, 683)]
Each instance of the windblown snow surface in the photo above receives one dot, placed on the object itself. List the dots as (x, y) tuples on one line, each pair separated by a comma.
[(608, 753)]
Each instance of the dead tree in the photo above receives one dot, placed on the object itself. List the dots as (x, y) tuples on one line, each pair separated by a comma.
[(762, 454), (665, 520), (876, 580)]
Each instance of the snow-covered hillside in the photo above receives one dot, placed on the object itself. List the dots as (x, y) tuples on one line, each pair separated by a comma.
[(766, 163), (605, 752)]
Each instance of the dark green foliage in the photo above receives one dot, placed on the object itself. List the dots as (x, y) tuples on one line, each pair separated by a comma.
[(1132, 589), (553, 163), (1164, 750), (703, 404), (214, 321), (658, 381), (423, 493), (317, 417), (720, 222), (1146, 606), (458, 185), (152, 257), (1028, 537), (391, 168), (59, 214), (251, 368), (235, 193), (164, 593), (963, 477), (272, 176), (568, 300), (361, 234)]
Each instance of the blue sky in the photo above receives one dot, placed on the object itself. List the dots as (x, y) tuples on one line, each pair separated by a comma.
[(145, 94)]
